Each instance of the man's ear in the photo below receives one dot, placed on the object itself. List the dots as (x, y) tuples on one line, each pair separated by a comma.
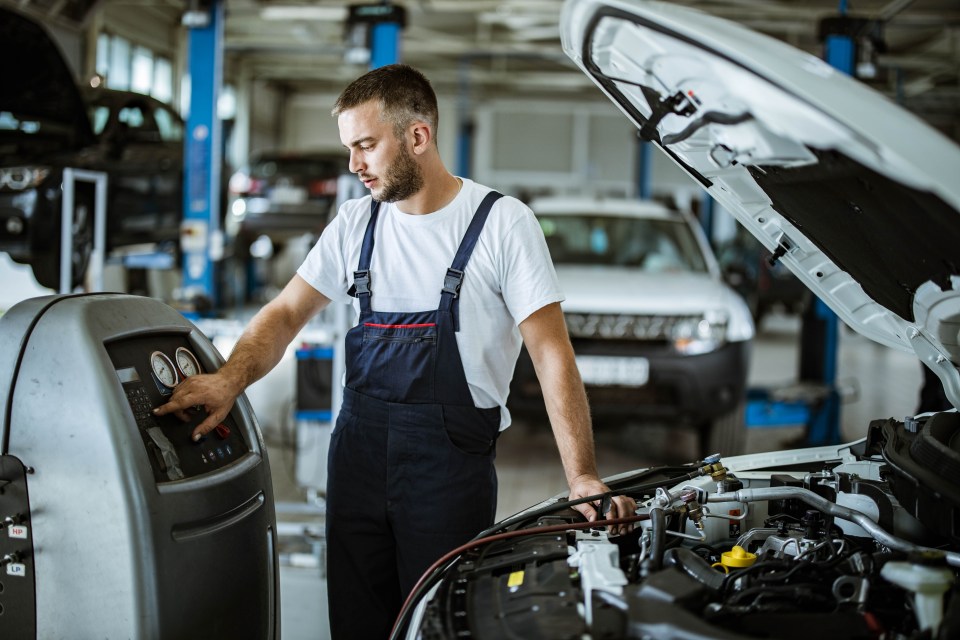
[(422, 137)]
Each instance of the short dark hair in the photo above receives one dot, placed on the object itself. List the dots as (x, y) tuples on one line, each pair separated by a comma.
[(404, 94)]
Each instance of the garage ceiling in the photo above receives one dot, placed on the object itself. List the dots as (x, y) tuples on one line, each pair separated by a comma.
[(496, 48)]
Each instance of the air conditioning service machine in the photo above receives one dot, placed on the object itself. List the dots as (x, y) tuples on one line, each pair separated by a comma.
[(113, 522)]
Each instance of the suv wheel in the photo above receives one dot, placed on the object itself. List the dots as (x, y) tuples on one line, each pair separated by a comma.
[(46, 266), (727, 434)]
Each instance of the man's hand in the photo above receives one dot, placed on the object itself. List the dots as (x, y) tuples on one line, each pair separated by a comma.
[(259, 349), (620, 506), (213, 392)]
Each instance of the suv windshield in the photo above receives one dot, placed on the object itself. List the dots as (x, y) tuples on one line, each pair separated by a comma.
[(652, 245)]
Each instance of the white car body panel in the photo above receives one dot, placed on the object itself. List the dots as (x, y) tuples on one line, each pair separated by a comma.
[(779, 104), (587, 290)]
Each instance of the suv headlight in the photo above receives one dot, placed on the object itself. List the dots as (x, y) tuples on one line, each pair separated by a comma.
[(695, 335), (20, 178)]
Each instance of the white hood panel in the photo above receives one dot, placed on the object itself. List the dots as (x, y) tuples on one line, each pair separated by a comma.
[(760, 124), (589, 289), (792, 98)]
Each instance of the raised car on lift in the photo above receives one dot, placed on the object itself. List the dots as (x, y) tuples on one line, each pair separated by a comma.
[(47, 124), (282, 195)]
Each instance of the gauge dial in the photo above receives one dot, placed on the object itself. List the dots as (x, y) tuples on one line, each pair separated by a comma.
[(187, 362), (163, 368)]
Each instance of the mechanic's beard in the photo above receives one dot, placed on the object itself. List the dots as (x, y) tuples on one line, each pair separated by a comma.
[(402, 179)]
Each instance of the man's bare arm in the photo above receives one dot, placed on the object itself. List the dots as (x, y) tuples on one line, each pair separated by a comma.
[(259, 349), (545, 336)]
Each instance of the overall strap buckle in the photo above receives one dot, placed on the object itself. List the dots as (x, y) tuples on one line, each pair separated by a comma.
[(361, 282), (452, 281)]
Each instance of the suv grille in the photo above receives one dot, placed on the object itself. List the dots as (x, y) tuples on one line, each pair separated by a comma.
[(630, 327)]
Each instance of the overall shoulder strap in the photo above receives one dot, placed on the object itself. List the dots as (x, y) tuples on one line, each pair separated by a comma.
[(361, 277), (454, 277)]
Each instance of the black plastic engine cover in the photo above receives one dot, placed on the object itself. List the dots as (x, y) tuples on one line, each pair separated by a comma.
[(924, 469), (519, 589)]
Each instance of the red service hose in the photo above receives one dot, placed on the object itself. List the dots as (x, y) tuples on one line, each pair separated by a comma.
[(555, 528)]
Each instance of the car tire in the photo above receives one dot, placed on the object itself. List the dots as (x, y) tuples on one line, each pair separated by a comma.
[(726, 434), (46, 266)]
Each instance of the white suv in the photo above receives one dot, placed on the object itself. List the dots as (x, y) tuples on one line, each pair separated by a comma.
[(657, 333)]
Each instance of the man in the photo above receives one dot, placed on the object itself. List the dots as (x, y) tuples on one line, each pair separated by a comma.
[(447, 277)]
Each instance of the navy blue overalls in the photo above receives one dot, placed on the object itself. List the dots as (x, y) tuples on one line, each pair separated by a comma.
[(410, 468)]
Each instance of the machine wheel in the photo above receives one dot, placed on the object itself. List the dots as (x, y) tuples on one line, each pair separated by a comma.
[(46, 266), (727, 434)]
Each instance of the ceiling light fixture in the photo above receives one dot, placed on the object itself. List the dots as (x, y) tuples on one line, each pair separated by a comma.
[(304, 12)]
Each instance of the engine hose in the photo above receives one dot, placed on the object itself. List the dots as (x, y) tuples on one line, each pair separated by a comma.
[(695, 567), (822, 504), (658, 535), (435, 571)]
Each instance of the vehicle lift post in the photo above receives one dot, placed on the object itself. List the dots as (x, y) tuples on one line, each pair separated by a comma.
[(99, 179), (644, 168), (819, 333), (385, 23), (201, 238)]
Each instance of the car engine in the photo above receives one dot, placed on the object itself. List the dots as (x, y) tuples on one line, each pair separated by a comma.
[(846, 542)]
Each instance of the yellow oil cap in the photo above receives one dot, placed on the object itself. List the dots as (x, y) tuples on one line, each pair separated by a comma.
[(737, 558)]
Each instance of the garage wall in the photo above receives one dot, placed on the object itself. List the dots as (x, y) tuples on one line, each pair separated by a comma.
[(266, 116), (533, 147), (528, 148), (307, 124), (520, 147)]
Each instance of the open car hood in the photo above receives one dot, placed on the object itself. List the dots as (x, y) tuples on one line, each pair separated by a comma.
[(860, 197), (39, 89)]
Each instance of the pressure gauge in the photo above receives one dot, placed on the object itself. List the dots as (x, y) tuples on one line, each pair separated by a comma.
[(163, 368), (187, 362)]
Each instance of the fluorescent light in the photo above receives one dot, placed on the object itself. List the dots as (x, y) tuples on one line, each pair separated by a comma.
[(304, 12)]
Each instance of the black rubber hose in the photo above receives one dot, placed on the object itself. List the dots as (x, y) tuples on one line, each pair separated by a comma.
[(694, 566), (436, 571), (658, 534)]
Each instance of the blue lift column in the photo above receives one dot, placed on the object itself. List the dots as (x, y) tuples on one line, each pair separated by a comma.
[(645, 188), (201, 239), (644, 168), (465, 126), (384, 22)]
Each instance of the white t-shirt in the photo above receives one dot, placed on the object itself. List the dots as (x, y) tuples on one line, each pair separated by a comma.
[(509, 276)]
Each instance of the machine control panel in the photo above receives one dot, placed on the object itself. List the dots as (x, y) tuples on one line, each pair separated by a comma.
[(149, 368), (17, 589), (114, 523)]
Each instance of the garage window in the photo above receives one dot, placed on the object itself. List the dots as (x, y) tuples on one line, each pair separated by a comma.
[(134, 67)]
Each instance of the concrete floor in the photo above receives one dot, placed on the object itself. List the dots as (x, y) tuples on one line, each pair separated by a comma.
[(876, 382)]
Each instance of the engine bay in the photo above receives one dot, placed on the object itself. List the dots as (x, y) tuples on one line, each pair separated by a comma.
[(846, 542)]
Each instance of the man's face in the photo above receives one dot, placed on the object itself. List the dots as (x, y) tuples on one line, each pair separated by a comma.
[(381, 161)]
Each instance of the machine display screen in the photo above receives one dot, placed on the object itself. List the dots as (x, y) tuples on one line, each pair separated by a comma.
[(128, 374)]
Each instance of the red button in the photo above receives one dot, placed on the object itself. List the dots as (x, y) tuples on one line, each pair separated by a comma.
[(223, 431)]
